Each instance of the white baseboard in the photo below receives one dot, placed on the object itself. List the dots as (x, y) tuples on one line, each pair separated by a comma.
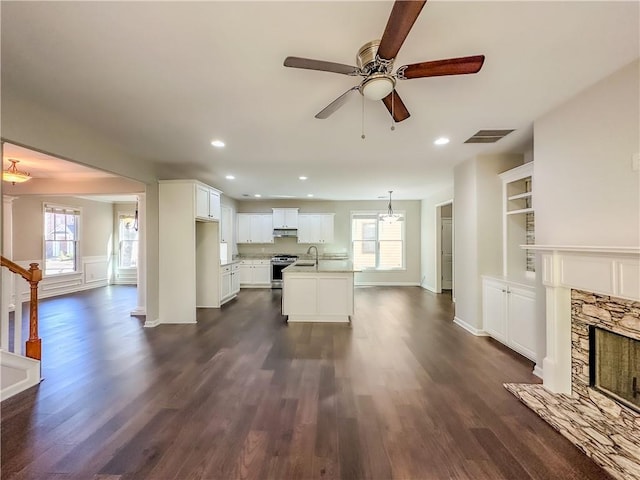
[(151, 323), (386, 284), (537, 371), (138, 311), (430, 288), (474, 331)]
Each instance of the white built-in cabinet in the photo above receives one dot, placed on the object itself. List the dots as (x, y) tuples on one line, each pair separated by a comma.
[(229, 282), (518, 227), (285, 218), (226, 224), (255, 228), (207, 203), (254, 273), (509, 300), (189, 249), (315, 228), (509, 314)]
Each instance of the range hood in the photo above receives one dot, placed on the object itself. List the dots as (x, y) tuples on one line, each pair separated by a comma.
[(285, 232)]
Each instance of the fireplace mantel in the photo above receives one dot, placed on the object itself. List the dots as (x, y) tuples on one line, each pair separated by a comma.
[(613, 271)]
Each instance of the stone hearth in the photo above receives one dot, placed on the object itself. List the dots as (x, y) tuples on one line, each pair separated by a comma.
[(587, 287), (595, 426)]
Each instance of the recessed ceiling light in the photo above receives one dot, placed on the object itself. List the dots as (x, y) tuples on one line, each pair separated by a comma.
[(303, 177), (257, 195), (441, 141), (230, 177), (309, 194), (217, 143)]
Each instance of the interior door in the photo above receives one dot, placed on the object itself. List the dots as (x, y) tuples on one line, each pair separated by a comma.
[(447, 254)]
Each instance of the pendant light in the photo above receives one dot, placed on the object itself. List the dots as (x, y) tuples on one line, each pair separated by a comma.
[(390, 217), (13, 175)]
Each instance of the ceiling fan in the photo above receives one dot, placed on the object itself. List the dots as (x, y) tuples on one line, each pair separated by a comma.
[(375, 63)]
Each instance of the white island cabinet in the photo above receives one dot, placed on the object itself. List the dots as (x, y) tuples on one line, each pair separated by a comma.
[(318, 294)]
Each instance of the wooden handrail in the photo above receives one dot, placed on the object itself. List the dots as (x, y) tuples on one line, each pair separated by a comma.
[(32, 276)]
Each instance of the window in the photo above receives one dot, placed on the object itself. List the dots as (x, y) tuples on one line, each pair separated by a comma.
[(61, 239), (377, 245), (128, 236)]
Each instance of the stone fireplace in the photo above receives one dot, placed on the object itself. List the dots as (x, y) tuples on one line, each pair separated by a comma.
[(592, 307)]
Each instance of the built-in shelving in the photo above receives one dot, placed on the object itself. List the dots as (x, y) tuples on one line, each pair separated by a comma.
[(518, 222)]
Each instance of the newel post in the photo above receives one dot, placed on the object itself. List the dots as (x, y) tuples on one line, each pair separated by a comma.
[(34, 344)]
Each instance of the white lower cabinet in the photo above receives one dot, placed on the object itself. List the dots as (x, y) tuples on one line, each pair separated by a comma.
[(318, 297), (229, 282), (254, 273), (509, 314)]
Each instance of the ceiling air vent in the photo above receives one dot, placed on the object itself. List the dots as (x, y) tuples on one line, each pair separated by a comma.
[(488, 136)]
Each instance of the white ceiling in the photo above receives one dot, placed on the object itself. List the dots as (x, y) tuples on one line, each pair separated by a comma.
[(162, 79)]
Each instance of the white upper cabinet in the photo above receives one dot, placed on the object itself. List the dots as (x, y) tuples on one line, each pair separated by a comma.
[(285, 218), (207, 203), (255, 228), (315, 228)]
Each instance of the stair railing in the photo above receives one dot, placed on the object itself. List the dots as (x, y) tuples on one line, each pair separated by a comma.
[(33, 347)]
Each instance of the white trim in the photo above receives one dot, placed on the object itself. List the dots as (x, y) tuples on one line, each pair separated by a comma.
[(79, 261), (609, 271), (63, 284), (473, 330), (538, 371), (430, 289), (584, 249), (152, 323), (387, 284), (138, 311), (30, 367)]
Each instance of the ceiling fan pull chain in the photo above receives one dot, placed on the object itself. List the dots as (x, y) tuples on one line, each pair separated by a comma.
[(362, 136), (393, 118)]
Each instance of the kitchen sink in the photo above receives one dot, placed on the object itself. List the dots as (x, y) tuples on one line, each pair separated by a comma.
[(305, 264)]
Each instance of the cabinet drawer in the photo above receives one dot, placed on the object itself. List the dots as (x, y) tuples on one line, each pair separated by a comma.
[(226, 269)]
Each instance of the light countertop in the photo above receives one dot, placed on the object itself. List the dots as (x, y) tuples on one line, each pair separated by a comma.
[(324, 266)]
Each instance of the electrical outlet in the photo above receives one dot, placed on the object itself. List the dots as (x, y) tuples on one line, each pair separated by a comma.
[(636, 162)]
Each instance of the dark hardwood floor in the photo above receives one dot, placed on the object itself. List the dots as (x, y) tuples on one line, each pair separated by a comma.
[(400, 393)]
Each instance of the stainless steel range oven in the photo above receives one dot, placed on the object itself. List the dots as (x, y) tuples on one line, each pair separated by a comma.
[(278, 263)]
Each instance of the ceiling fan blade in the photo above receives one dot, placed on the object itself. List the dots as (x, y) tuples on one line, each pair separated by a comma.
[(335, 105), (396, 107), (450, 66), (403, 15), (310, 64)]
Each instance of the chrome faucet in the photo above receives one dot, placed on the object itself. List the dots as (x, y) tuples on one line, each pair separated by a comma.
[(316, 249)]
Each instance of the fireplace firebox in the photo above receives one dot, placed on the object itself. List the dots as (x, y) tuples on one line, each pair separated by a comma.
[(614, 366)]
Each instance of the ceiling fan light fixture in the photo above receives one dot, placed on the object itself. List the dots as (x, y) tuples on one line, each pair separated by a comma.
[(13, 175), (377, 86)]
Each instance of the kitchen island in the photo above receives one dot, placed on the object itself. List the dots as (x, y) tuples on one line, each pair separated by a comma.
[(318, 293)]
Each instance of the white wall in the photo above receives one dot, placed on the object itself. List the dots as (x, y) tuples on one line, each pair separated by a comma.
[(586, 192), (430, 251), (478, 231)]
